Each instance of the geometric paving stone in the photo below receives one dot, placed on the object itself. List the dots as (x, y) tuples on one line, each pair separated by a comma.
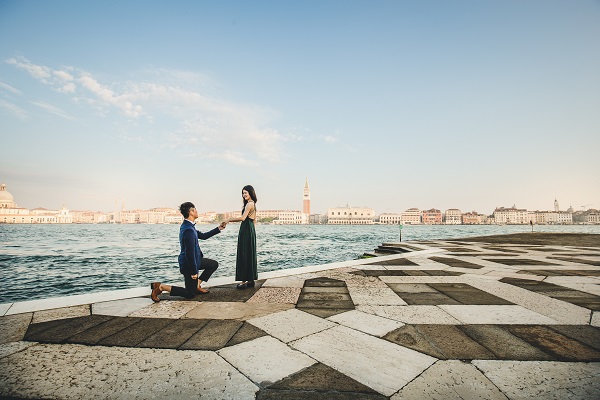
[(13, 327), (60, 313), (496, 315), (136, 333), (235, 310), (585, 334), (426, 299), (265, 360), (291, 325), (411, 288), (7, 349), (414, 314), (367, 295), (577, 260), (559, 346), (276, 295), (503, 344), (165, 309), (397, 261), (367, 323), (561, 272), (468, 295), (543, 379), (318, 377), (60, 332), (595, 321), (285, 281), (408, 336), (229, 293), (453, 262), (324, 297), (246, 333), (520, 261), (450, 380), (379, 364), (96, 333), (453, 343), (213, 335), (174, 334), (120, 308), (82, 372)]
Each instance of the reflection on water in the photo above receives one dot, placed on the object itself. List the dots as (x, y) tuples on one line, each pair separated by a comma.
[(39, 261)]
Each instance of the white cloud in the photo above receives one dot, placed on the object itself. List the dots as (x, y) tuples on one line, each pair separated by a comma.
[(19, 112), (329, 139), (53, 109), (9, 88)]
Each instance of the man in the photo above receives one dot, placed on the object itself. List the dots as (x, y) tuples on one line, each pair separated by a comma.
[(191, 259)]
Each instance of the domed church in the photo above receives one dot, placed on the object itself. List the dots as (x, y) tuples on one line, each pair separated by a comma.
[(6, 199)]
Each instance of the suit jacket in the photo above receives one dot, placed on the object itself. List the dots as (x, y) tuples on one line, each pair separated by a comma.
[(190, 257)]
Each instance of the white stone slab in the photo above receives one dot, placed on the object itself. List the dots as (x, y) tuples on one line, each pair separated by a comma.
[(4, 307), (412, 288), (6, 349), (422, 279), (14, 327), (278, 295), (291, 324), (85, 372), (60, 313), (366, 295), (452, 379), (595, 319), (412, 314), (235, 310), (165, 309), (543, 379), (120, 308), (288, 281), (560, 311), (379, 364), (265, 360), (367, 323), (496, 314)]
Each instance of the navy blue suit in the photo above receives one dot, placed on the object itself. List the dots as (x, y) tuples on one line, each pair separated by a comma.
[(191, 260)]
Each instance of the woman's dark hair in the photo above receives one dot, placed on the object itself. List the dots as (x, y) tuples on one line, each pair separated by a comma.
[(184, 209), (252, 194)]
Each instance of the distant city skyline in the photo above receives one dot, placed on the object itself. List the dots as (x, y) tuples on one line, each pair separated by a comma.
[(388, 104)]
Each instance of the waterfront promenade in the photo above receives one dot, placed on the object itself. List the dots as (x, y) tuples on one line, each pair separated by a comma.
[(504, 317)]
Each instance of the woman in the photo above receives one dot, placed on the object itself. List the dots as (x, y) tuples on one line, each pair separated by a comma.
[(246, 265)]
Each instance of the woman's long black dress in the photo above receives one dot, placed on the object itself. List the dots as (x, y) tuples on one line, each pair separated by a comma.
[(246, 265)]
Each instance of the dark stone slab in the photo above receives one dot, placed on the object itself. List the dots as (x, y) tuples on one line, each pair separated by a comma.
[(577, 260), (453, 262), (136, 333), (173, 335), (556, 344), (409, 336), (213, 336), (461, 249), (35, 329), (103, 330), (229, 293), (275, 394), (321, 378), (453, 343), (503, 249), (468, 295), (503, 344), (481, 255), (318, 289), (324, 312), (519, 261), (347, 304), (426, 299), (324, 282), (586, 334), (60, 332), (325, 296), (398, 261), (560, 272), (433, 272), (246, 333)]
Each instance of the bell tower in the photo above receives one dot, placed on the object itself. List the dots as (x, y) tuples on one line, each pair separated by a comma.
[(556, 208), (306, 199)]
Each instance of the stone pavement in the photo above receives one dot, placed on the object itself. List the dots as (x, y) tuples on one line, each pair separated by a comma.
[(445, 320)]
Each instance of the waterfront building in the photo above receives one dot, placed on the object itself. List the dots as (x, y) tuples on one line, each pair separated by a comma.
[(412, 216), (6, 199), (317, 219), (291, 218), (350, 216), (512, 215), (306, 199), (433, 216), (390, 218), (473, 218), (453, 216), (556, 207)]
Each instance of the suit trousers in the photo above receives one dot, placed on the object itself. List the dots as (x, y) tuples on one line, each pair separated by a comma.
[(191, 285)]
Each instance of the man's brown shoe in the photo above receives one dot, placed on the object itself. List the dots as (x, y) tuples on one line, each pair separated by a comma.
[(203, 291), (155, 286)]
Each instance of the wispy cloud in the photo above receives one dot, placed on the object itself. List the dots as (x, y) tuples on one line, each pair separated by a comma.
[(13, 109), (8, 88), (53, 110), (237, 133)]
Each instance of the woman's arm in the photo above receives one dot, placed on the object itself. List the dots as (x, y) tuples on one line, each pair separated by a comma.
[(247, 210)]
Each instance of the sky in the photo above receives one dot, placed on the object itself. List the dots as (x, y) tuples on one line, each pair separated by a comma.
[(385, 104)]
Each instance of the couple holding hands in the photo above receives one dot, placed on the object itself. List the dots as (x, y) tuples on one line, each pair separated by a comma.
[(192, 261)]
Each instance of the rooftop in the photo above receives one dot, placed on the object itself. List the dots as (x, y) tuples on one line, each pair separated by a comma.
[(511, 316)]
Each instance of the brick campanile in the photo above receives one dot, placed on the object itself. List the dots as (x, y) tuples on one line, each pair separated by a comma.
[(306, 199)]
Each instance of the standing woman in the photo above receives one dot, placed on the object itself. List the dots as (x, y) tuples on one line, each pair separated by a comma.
[(246, 266)]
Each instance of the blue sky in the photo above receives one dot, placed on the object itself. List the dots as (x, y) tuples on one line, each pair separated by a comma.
[(385, 104)]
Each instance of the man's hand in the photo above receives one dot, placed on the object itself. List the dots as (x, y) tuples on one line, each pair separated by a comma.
[(222, 225), (195, 276)]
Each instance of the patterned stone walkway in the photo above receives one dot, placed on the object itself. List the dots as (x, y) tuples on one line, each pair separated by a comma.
[(445, 320)]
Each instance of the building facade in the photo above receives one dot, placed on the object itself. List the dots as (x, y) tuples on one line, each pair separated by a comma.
[(350, 216), (306, 199), (390, 219), (433, 216), (412, 216), (512, 215), (453, 216)]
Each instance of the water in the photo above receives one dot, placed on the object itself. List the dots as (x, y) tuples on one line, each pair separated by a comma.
[(41, 261)]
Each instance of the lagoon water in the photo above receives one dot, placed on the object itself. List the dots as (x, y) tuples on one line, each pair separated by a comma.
[(41, 261)]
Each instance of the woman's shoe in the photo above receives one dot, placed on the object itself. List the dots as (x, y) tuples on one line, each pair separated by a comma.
[(250, 284), (242, 286)]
